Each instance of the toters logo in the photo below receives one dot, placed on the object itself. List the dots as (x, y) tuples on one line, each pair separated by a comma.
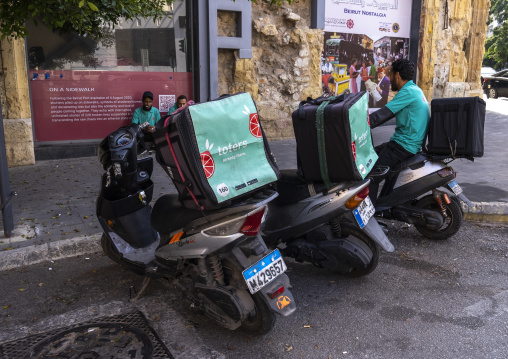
[(395, 27), (350, 24), (254, 128), (207, 161)]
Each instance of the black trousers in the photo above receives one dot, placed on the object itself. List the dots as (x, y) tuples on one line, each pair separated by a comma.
[(390, 154)]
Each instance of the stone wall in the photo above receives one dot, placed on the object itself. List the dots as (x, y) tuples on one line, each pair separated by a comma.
[(15, 99), (285, 65), (284, 68), (452, 44)]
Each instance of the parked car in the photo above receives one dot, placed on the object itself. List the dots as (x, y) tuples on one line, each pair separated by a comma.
[(487, 71), (496, 85)]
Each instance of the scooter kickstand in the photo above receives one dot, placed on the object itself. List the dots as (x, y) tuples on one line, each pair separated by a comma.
[(146, 280)]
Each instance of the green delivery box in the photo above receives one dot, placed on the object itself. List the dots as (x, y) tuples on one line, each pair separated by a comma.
[(333, 139), (216, 151)]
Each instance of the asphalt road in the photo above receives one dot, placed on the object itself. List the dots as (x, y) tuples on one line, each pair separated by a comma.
[(428, 299)]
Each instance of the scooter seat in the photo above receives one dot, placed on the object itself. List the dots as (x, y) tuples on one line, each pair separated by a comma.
[(419, 158), (168, 214), (292, 188)]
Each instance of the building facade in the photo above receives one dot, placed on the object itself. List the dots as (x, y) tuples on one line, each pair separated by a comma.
[(59, 91)]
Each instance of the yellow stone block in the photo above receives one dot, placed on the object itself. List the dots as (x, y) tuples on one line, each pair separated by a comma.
[(19, 144), (15, 78)]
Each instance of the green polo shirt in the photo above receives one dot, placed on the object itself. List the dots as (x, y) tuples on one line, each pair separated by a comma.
[(412, 114), (373, 72), (140, 116)]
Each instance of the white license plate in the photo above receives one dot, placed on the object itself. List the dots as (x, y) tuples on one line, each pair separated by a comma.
[(454, 186), (264, 271), (363, 212)]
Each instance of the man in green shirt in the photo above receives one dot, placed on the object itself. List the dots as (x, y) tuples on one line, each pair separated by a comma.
[(411, 110), (181, 101), (372, 77), (147, 113), (373, 71)]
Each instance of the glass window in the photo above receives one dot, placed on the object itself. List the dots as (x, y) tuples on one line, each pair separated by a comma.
[(85, 89)]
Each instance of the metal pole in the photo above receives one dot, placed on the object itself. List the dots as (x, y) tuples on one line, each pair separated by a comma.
[(5, 191)]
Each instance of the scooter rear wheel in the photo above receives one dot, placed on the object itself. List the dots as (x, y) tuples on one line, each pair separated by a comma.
[(359, 239), (451, 224), (262, 321)]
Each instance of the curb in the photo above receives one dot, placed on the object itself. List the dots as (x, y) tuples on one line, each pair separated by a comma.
[(492, 212), (25, 256)]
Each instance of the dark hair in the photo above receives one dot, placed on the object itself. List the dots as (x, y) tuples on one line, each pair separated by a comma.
[(353, 61), (147, 94), (182, 97), (405, 68)]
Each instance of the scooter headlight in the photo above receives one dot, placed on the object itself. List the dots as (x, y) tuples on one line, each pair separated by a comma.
[(248, 224), (226, 228)]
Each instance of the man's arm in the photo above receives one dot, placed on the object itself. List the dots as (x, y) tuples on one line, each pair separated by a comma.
[(380, 116)]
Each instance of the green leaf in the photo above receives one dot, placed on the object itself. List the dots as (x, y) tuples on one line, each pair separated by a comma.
[(81, 3), (93, 7)]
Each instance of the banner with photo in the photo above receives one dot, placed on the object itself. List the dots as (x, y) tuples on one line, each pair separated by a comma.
[(374, 33)]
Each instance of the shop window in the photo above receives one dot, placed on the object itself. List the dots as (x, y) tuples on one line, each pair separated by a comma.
[(84, 89)]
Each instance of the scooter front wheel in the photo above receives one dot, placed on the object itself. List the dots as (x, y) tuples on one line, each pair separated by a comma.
[(451, 223), (360, 240), (262, 320)]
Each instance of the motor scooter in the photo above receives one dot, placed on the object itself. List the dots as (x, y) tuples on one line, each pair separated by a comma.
[(330, 228), (217, 259), (404, 195)]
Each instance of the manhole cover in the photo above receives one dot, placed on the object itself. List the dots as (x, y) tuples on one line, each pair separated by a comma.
[(118, 337)]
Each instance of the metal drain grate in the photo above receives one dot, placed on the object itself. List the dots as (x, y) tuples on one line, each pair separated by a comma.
[(117, 337)]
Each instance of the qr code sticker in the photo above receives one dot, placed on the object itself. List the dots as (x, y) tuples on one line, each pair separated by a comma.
[(166, 102)]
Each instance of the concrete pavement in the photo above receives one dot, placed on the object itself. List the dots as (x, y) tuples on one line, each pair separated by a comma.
[(54, 209)]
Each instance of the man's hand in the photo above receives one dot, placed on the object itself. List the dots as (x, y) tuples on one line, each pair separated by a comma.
[(379, 90), (149, 128)]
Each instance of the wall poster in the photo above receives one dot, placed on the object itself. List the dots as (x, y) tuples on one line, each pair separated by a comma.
[(361, 37), (81, 105), (83, 89)]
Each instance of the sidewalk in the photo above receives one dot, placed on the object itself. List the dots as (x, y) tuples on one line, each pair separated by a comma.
[(54, 210)]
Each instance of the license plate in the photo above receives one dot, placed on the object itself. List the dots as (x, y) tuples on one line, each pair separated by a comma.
[(264, 271), (454, 186), (363, 212)]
